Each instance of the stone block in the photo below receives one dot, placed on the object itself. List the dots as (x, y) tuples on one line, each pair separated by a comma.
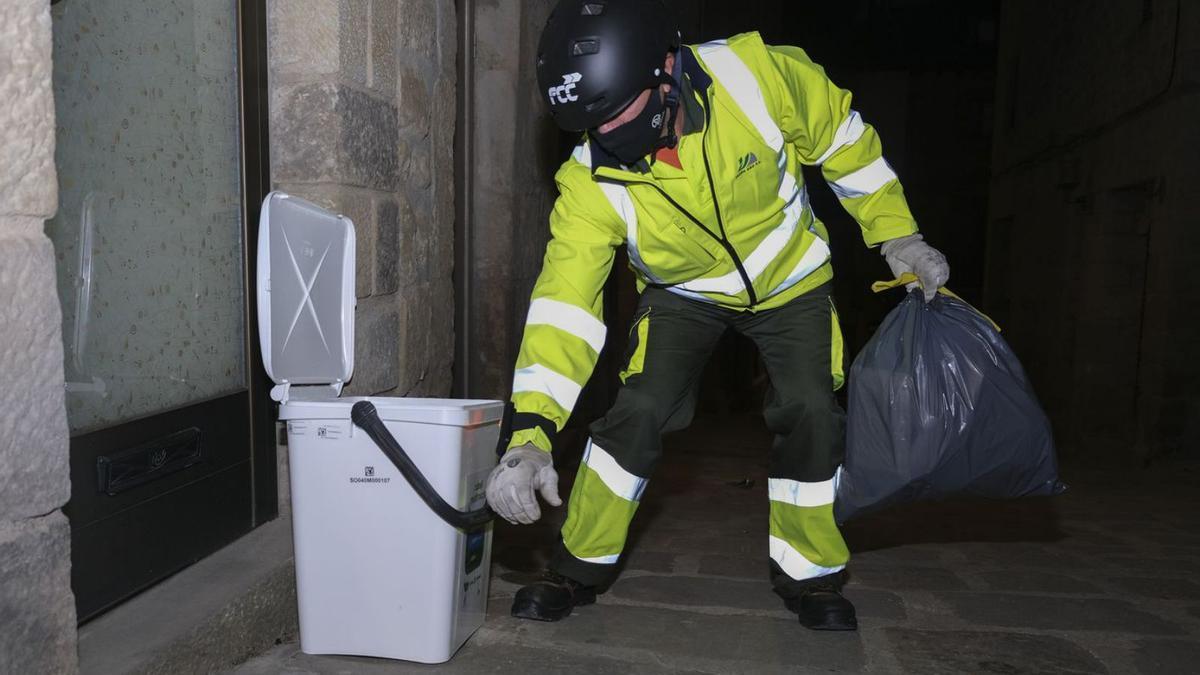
[(382, 62), (447, 40), (302, 37), (413, 246), (317, 39), (441, 250), (416, 172), (355, 204), (414, 347), (368, 139), (1057, 613), (418, 24), (387, 246), (354, 19), (444, 211), (925, 651), (442, 337), (28, 183), (376, 347), (21, 226), (416, 104), (37, 608), (328, 133), (34, 445), (304, 133), (442, 160)]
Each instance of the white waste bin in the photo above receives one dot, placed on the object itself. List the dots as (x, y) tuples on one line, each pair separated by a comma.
[(377, 572)]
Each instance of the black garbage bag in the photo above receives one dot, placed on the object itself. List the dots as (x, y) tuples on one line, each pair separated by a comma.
[(939, 406)]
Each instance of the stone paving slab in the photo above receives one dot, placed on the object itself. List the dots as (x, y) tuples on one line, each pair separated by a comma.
[(717, 594), (1160, 588), (1060, 613), (731, 643), (1169, 537), (1019, 554), (903, 577), (1025, 581), (1157, 566), (955, 652), (651, 561), (699, 591), (739, 566)]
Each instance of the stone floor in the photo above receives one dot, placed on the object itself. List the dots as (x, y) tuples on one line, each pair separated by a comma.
[(1103, 579)]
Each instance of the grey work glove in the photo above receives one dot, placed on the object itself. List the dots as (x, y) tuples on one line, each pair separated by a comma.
[(511, 485), (912, 254)]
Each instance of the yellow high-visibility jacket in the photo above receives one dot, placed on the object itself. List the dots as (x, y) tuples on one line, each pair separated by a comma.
[(732, 228)]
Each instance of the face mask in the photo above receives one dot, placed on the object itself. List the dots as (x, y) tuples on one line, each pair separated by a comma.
[(641, 135)]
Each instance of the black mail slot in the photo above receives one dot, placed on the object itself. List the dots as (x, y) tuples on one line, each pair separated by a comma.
[(149, 461)]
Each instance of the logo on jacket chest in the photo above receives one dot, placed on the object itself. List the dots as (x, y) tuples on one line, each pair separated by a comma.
[(745, 163)]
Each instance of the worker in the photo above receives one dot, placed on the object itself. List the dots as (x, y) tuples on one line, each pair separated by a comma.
[(691, 157)]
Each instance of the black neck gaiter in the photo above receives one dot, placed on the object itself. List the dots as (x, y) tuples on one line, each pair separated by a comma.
[(639, 136)]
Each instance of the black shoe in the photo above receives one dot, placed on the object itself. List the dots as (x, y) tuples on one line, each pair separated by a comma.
[(552, 598), (822, 607)]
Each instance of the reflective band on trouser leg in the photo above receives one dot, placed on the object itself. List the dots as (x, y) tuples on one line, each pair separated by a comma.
[(805, 542), (602, 504)]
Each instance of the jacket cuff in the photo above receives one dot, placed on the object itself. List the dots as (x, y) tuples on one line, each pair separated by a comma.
[(874, 238), (532, 428), (534, 436)]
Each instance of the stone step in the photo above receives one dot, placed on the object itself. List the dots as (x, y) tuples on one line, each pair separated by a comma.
[(212, 616)]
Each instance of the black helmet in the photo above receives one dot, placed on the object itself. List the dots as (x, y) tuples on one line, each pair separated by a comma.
[(596, 56)]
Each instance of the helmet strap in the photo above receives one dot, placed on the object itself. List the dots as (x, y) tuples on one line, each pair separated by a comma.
[(672, 100)]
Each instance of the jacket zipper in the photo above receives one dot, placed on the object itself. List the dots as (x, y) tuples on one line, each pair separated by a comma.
[(720, 238), (712, 187)]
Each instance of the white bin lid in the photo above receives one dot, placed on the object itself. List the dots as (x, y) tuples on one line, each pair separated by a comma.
[(305, 293), (444, 411)]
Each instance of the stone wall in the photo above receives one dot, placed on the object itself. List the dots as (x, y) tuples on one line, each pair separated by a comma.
[(362, 100), (37, 609), (1093, 237)]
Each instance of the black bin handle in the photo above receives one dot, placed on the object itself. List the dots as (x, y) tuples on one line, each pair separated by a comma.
[(365, 416)]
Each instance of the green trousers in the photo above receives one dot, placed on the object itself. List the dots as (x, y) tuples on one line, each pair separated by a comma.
[(670, 343)]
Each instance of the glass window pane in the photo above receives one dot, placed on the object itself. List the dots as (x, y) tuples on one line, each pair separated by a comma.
[(149, 228)]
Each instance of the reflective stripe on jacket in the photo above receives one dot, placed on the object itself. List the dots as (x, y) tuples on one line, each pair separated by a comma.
[(733, 228)]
